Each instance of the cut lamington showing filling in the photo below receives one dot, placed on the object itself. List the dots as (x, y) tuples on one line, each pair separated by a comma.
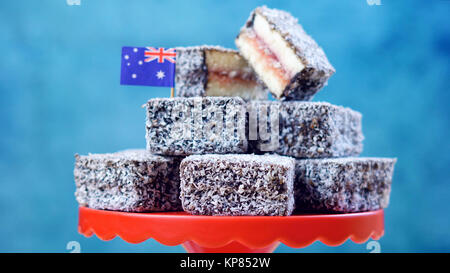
[(215, 71), (284, 57)]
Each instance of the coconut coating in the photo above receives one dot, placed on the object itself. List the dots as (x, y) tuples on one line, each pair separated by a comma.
[(198, 125), (237, 184), (343, 184), (191, 73), (131, 180), (306, 129)]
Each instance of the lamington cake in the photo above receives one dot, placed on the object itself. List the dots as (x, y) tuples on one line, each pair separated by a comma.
[(215, 71), (343, 184), (283, 56), (198, 125), (304, 129), (237, 184), (131, 180)]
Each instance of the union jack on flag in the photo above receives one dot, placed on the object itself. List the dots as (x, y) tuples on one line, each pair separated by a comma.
[(148, 66), (161, 54)]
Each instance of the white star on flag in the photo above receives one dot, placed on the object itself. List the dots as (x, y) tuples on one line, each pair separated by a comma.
[(160, 74)]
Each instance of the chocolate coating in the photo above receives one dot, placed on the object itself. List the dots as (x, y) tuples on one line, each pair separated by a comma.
[(237, 184), (309, 129), (131, 180), (343, 184), (199, 125)]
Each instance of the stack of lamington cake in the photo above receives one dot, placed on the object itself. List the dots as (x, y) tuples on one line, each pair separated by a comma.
[(220, 147)]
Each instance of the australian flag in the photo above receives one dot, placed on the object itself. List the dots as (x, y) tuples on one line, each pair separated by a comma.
[(148, 66)]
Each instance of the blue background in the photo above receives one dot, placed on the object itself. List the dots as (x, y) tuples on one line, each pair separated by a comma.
[(60, 95)]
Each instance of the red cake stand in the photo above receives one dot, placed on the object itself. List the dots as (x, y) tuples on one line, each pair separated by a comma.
[(232, 234)]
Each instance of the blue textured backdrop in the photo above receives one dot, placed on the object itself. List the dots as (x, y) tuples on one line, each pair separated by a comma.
[(60, 95)]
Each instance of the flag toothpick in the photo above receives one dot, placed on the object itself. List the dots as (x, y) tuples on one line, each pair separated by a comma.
[(148, 66)]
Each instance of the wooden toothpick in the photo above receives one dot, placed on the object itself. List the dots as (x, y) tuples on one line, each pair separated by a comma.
[(171, 92)]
